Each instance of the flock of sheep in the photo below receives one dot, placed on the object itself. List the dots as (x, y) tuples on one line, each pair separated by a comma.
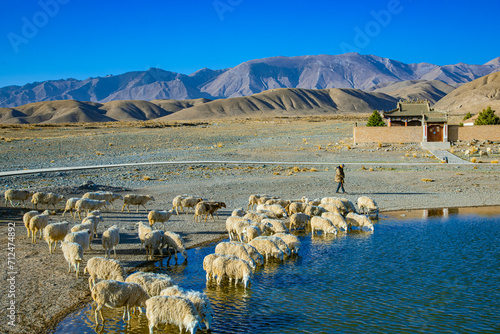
[(256, 236)]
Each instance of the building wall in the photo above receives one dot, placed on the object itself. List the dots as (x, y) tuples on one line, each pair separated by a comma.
[(414, 134), (479, 132)]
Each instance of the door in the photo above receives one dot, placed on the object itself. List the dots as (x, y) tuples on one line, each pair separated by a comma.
[(435, 132)]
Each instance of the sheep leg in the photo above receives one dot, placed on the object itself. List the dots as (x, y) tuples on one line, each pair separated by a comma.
[(99, 310), (114, 250), (151, 327), (77, 268), (33, 236)]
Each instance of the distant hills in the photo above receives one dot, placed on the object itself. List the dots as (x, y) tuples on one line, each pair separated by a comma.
[(350, 70)]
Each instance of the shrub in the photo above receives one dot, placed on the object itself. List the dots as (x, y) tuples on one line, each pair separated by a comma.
[(487, 117), (375, 119), (467, 116)]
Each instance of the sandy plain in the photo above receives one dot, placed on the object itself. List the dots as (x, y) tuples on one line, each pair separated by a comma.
[(287, 157)]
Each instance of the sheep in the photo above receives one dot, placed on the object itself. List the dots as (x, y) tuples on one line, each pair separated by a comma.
[(152, 283), (353, 219), (174, 241), (322, 224), (233, 268), (26, 219), (267, 248), (207, 208), (73, 254), (87, 204), (55, 232), (264, 198), (103, 196), (84, 226), (252, 251), (199, 300), (229, 248), (254, 200), (282, 202), (156, 216), (331, 207), (299, 221), (337, 202), (313, 210), (175, 310), (103, 269), (280, 243), (367, 205), (94, 218), (296, 207), (38, 223), (46, 198), (291, 241), (176, 203), (277, 209), (135, 199), (142, 230), (114, 294), (254, 216), (208, 265), (251, 232), (265, 227), (189, 202), (349, 205), (277, 225), (337, 220), (70, 205), (110, 239), (240, 212), (153, 240), (17, 195), (81, 237), (233, 225)]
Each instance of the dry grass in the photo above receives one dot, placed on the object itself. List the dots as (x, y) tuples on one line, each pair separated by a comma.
[(427, 180)]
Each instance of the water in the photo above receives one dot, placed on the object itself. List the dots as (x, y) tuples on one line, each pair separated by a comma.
[(412, 275)]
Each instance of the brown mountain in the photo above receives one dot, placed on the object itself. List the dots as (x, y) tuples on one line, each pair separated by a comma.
[(473, 96), (432, 90)]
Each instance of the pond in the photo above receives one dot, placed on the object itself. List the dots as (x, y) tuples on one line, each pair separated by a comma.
[(420, 271)]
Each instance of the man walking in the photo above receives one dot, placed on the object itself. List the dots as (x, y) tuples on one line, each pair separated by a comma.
[(339, 177)]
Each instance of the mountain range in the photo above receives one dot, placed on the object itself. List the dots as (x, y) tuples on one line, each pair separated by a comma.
[(350, 70)]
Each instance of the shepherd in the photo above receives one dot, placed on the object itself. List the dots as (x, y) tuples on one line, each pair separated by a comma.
[(339, 178)]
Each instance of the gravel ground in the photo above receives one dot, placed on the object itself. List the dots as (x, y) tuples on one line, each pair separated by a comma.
[(45, 292)]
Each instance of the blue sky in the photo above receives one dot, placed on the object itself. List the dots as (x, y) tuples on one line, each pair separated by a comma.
[(59, 39)]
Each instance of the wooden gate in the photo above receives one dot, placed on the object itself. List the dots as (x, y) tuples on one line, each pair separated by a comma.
[(435, 132)]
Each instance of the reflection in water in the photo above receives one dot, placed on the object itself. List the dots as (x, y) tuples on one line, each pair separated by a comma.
[(413, 276)]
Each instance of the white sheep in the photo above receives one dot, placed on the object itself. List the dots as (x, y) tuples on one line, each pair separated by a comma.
[(46, 198), (26, 219), (153, 240), (142, 230), (337, 220), (314, 210), (114, 294), (367, 205), (17, 195), (175, 310), (251, 232), (235, 225), (135, 199), (103, 269), (337, 202), (38, 223), (255, 216), (176, 203), (73, 254), (110, 239), (322, 224), (235, 249), (291, 241), (175, 242), (208, 265), (353, 219), (282, 202), (253, 252), (55, 232), (103, 196), (277, 209), (152, 283), (156, 216), (267, 248), (277, 225), (349, 205), (254, 200), (81, 237), (296, 207), (199, 300), (282, 245), (331, 207), (265, 227), (87, 204), (93, 217), (240, 212), (84, 226), (232, 268), (70, 205), (299, 221), (190, 203)]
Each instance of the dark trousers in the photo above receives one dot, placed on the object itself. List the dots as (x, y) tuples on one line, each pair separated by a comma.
[(341, 185)]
